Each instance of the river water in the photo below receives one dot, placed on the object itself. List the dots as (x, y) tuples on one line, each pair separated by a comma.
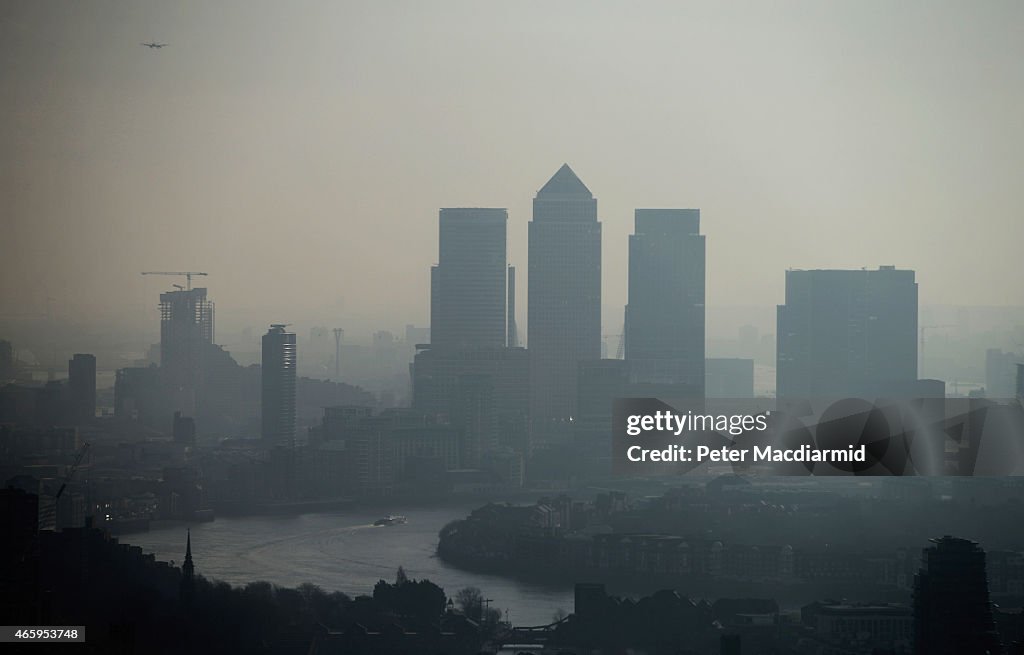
[(344, 551)]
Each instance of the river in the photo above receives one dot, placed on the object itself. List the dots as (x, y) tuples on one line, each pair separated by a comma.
[(344, 551)]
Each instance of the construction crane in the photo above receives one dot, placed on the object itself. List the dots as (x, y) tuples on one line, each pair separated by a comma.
[(188, 276), (71, 471)]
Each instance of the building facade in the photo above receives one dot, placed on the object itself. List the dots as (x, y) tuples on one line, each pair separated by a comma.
[(847, 333), (952, 610), (277, 399), (186, 328), (564, 294), (468, 285), (664, 328), (82, 386)]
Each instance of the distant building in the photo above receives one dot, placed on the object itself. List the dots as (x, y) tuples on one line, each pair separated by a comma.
[(665, 314), (870, 627), (277, 401), (467, 377), (186, 326), (484, 391), (564, 293), (183, 429), (7, 368), (952, 611), (139, 396), (729, 378), (846, 333), (82, 386), (1001, 373), (416, 335), (468, 285)]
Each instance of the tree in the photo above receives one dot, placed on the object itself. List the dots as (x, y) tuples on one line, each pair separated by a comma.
[(471, 601), (400, 577)]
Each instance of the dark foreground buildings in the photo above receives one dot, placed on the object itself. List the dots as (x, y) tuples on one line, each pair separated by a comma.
[(952, 611), (82, 386)]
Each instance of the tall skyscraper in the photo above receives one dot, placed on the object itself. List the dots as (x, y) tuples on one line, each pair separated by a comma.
[(186, 327), (468, 284), (277, 401), (82, 386), (564, 294), (665, 315), (952, 611), (468, 376), (846, 333)]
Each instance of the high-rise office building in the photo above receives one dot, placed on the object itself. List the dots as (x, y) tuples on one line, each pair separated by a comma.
[(468, 377), (665, 312), (952, 611), (82, 386), (277, 400), (564, 295), (186, 327), (468, 284), (844, 333)]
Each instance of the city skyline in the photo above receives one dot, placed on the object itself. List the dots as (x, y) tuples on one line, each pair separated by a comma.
[(153, 154), (661, 327)]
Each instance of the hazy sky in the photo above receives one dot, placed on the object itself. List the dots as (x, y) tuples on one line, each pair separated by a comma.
[(299, 151)]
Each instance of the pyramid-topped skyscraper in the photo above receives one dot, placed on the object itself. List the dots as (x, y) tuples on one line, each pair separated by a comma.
[(564, 322)]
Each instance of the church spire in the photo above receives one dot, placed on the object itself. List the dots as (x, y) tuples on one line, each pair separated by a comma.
[(188, 570)]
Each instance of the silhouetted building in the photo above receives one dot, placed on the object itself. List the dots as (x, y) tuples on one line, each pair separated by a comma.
[(729, 645), (6, 361), (277, 401), (82, 386), (844, 333), (188, 572), (1001, 373), (468, 284), (727, 377), (138, 395), (952, 611), (443, 389), (183, 428), (564, 313), (19, 552), (186, 325), (467, 377), (665, 315)]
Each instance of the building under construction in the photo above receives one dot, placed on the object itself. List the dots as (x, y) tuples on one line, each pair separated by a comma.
[(186, 327)]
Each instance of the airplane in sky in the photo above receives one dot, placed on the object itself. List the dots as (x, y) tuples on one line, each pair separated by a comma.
[(155, 45)]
